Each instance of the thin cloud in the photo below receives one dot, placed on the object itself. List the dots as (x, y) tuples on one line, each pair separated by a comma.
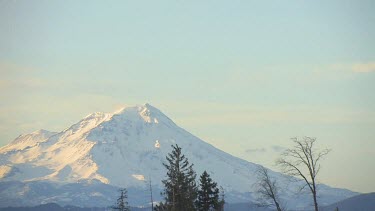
[(12, 69), (20, 77), (364, 67), (256, 150), (277, 148), (270, 115), (16, 84), (340, 71)]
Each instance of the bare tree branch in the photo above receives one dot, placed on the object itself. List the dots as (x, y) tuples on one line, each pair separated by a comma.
[(303, 161), (267, 190)]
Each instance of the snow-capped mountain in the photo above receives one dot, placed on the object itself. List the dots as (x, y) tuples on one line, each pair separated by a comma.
[(123, 149)]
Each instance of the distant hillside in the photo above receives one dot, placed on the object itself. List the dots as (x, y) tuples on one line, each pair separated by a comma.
[(245, 207), (56, 207), (363, 202), (49, 207)]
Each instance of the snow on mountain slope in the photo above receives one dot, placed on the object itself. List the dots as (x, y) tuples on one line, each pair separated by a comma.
[(28, 140), (53, 158), (126, 148)]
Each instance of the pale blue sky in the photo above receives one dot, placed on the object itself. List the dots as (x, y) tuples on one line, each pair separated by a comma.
[(243, 75)]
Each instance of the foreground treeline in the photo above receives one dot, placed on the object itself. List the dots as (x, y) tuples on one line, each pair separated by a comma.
[(56, 207), (52, 207), (181, 191)]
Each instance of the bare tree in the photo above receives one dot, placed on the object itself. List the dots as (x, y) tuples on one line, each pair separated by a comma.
[(267, 190), (303, 161)]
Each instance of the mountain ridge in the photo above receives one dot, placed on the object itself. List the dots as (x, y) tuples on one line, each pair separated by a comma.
[(119, 149)]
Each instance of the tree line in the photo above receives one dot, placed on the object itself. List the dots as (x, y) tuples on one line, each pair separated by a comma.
[(182, 193)]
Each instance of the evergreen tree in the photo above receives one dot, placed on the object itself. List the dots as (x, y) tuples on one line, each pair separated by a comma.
[(122, 203), (208, 194), (180, 187), (160, 207), (222, 199)]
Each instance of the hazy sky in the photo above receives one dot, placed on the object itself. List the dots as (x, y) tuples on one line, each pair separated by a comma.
[(245, 76)]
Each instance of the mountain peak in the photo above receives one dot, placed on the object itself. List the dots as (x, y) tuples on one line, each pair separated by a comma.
[(41, 131), (147, 105), (145, 112), (95, 115), (123, 148), (136, 107)]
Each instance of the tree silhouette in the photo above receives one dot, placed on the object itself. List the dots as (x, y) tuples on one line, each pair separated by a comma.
[(180, 187), (303, 161), (208, 194)]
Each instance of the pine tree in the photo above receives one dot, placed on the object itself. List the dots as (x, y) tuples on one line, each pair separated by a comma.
[(208, 194), (160, 207), (222, 199), (180, 187), (122, 203)]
